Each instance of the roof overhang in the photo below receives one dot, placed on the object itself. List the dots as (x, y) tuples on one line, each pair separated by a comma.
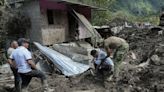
[(75, 3), (68, 2)]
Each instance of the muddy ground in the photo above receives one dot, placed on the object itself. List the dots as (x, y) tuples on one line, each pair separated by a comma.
[(141, 71)]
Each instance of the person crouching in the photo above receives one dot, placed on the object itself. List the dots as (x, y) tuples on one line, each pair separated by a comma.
[(103, 65)]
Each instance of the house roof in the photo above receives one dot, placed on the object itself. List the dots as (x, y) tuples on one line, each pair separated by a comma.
[(71, 2), (68, 2)]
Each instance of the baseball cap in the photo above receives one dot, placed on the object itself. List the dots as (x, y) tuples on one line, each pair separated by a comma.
[(22, 40)]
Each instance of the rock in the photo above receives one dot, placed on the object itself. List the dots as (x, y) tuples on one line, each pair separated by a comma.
[(155, 59), (117, 29), (133, 56), (5, 69), (160, 32), (10, 86), (143, 65)]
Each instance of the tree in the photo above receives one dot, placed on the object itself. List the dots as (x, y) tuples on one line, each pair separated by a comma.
[(18, 24), (102, 17)]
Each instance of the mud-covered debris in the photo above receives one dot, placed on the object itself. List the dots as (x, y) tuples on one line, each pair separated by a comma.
[(155, 59)]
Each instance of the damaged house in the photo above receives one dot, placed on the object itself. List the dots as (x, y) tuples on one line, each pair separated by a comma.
[(57, 21)]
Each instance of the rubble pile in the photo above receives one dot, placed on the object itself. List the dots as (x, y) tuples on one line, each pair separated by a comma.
[(141, 74), (142, 43), (145, 73), (141, 71)]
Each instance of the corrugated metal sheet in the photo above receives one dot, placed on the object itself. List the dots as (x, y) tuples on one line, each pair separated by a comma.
[(67, 66)]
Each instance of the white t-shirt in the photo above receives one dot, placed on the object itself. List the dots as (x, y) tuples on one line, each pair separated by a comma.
[(9, 51), (20, 56), (101, 56)]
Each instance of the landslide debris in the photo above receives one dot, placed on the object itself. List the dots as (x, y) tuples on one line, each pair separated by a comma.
[(144, 73)]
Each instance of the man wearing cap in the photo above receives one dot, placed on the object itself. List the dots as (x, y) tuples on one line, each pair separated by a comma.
[(103, 64), (26, 68), (118, 47)]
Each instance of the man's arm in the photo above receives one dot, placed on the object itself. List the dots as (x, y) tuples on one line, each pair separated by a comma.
[(109, 51), (11, 63), (32, 64), (29, 60)]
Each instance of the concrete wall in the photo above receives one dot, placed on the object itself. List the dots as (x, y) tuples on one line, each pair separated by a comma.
[(32, 9), (41, 31), (57, 32)]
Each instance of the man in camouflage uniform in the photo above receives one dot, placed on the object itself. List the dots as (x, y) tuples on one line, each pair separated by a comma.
[(120, 46)]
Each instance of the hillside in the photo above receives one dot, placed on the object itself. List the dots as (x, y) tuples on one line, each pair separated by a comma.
[(138, 7), (131, 10)]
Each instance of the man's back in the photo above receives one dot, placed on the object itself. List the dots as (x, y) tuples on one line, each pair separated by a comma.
[(20, 56), (114, 41), (103, 55)]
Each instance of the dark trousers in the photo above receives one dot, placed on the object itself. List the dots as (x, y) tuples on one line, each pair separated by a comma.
[(26, 77), (17, 79), (103, 72)]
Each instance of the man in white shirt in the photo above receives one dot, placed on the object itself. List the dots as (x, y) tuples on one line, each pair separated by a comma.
[(26, 68), (13, 46), (103, 64)]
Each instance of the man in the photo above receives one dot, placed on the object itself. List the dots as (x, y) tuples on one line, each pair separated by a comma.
[(120, 46), (13, 46), (103, 64), (26, 67)]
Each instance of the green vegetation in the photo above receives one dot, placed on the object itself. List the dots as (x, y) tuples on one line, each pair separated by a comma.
[(131, 10)]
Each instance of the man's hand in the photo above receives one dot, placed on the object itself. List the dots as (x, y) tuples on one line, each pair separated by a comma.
[(109, 51), (32, 64), (11, 63)]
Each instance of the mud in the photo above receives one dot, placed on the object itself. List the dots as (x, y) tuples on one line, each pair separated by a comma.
[(143, 74)]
